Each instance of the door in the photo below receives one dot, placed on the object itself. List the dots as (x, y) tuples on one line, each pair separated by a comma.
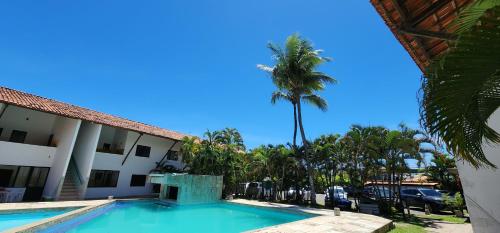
[(36, 182)]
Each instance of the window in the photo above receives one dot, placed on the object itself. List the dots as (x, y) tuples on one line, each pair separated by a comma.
[(103, 178), (38, 177), (1, 129), (173, 155), (142, 151), (23, 176), (138, 180), (18, 136), (410, 192)]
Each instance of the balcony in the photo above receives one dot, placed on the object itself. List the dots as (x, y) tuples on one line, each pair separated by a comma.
[(13, 153)]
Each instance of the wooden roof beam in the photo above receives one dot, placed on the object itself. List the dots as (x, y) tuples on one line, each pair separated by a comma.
[(403, 13), (428, 12), (427, 34)]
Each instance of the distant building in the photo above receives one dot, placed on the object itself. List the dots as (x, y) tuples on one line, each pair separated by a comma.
[(57, 151)]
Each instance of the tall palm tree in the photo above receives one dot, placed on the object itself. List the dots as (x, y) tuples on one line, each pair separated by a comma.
[(297, 80)]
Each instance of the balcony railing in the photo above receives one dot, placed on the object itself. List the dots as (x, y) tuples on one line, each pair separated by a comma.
[(110, 151), (52, 144)]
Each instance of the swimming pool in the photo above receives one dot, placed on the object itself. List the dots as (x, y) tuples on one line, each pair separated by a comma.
[(14, 219), (152, 216)]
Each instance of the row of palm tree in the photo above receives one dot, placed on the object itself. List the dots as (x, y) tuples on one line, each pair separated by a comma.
[(363, 154)]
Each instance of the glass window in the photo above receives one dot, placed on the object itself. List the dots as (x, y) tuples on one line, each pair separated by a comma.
[(103, 178), (409, 191), (138, 180), (430, 192), (38, 177), (22, 177), (142, 151), (18, 136), (173, 155)]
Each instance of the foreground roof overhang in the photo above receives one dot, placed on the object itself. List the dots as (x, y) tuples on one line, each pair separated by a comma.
[(423, 27), (25, 100)]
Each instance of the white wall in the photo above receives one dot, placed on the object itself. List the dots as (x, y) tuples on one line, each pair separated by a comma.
[(133, 165), (482, 187), (65, 132), (84, 151), (20, 154), (38, 125)]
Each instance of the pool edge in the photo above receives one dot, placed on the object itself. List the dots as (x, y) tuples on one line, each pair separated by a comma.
[(42, 224)]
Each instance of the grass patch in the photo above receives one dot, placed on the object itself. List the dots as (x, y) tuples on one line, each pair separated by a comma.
[(400, 227), (411, 224), (444, 218)]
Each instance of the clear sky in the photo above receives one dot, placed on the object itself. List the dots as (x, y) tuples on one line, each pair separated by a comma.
[(190, 65)]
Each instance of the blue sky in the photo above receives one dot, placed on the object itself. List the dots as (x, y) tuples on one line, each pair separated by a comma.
[(191, 65)]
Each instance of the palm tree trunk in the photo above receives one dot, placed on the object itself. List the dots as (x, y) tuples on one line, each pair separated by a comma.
[(294, 125), (309, 168)]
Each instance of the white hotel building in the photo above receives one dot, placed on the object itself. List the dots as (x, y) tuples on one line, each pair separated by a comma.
[(51, 150)]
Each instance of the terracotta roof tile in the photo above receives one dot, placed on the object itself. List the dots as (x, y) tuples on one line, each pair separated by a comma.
[(25, 100), (435, 16)]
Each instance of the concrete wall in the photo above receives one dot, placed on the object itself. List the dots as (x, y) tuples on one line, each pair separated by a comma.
[(65, 132), (26, 155), (38, 125), (84, 151), (482, 187), (134, 165)]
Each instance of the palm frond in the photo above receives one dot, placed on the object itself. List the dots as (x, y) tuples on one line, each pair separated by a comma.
[(316, 101), (265, 68), (279, 95), (471, 15), (462, 90)]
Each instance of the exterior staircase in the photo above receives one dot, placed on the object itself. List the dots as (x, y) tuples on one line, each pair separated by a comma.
[(69, 190)]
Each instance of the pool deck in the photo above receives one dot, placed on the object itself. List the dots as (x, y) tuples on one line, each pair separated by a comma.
[(326, 221)]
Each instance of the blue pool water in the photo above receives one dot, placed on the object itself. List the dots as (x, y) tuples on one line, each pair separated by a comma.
[(15, 219), (150, 216)]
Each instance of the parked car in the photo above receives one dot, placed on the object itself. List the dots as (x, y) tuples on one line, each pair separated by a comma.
[(336, 191), (422, 197), (343, 203), (446, 192), (340, 197)]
